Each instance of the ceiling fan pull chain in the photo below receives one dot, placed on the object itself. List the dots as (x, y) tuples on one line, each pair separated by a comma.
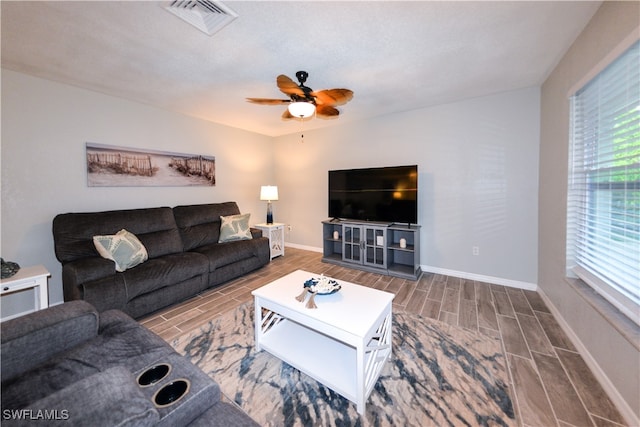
[(315, 114)]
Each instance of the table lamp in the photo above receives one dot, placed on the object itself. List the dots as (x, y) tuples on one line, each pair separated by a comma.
[(269, 193)]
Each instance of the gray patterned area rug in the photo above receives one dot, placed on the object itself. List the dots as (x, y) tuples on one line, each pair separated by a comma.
[(438, 375)]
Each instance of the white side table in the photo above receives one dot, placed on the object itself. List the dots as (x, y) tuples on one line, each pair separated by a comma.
[(275, 233), (28, 278)]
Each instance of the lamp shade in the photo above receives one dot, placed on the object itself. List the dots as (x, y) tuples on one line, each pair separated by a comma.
[(302, 109), (269, 192)]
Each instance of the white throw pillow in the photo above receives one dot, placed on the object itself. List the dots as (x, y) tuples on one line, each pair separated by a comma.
[(234, 227), (123, 248)]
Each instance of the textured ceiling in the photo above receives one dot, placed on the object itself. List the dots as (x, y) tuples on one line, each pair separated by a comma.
[(395, 56)]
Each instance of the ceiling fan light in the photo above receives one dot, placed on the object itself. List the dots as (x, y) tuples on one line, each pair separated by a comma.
[(302, 109)]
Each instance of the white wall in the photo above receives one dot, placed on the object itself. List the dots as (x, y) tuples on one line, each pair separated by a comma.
[(609, 352), (44, 129), (478, 180)]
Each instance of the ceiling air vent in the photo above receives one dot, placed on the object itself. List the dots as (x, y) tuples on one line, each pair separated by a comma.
[(207, 16)]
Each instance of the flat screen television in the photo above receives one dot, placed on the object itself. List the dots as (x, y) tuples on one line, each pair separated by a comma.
[(386, 194)]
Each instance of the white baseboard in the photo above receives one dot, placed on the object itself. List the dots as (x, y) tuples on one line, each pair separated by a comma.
[(625, 410), (306, 248), (481, 278), (446, 272)]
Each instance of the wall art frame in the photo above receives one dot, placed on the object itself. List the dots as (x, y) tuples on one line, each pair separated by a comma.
[(114, 166)]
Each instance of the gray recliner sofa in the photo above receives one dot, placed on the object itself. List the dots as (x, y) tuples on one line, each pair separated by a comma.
[(70, 365), (184, 256)]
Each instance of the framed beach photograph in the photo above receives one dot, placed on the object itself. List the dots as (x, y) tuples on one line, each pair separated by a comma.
[(112, 166)]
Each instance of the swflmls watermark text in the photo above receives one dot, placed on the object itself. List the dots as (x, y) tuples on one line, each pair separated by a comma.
[(35, 414)]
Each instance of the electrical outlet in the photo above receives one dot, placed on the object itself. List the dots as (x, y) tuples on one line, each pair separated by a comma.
[(475, 250), (289, 228)]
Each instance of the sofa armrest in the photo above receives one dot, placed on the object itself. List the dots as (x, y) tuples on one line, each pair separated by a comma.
[(256, 233), (76, 273), (29, 340), (111, 397)]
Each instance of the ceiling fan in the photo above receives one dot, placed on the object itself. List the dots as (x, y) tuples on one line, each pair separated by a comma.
[(304, 101)]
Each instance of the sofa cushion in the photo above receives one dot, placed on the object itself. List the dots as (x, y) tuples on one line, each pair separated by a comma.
[(199, 225), (155, 227), (160, 272), (221, 254), (123, 248), (234, 227), (109, 398)]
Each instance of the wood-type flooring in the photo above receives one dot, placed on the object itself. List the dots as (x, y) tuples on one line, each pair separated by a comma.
[(550, 382)]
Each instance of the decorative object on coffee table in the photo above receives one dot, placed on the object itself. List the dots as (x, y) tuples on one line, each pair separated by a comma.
[(318, 286)]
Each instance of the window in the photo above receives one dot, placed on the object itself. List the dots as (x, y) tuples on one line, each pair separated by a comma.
[(603, 223)]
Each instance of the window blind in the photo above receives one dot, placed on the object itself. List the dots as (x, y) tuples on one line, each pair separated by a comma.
[(603, 221)]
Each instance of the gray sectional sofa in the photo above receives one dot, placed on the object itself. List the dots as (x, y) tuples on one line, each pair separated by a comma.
[(184, 256), (70, 365)]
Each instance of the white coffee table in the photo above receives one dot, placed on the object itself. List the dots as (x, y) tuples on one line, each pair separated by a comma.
[(342, 344)]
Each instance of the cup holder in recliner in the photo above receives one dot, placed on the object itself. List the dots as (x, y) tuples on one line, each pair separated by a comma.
[(154, 374), (171, 393)]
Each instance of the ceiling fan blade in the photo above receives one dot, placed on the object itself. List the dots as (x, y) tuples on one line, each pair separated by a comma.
[(267, 101), (288, 86), (326, 111), (333, 96)]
